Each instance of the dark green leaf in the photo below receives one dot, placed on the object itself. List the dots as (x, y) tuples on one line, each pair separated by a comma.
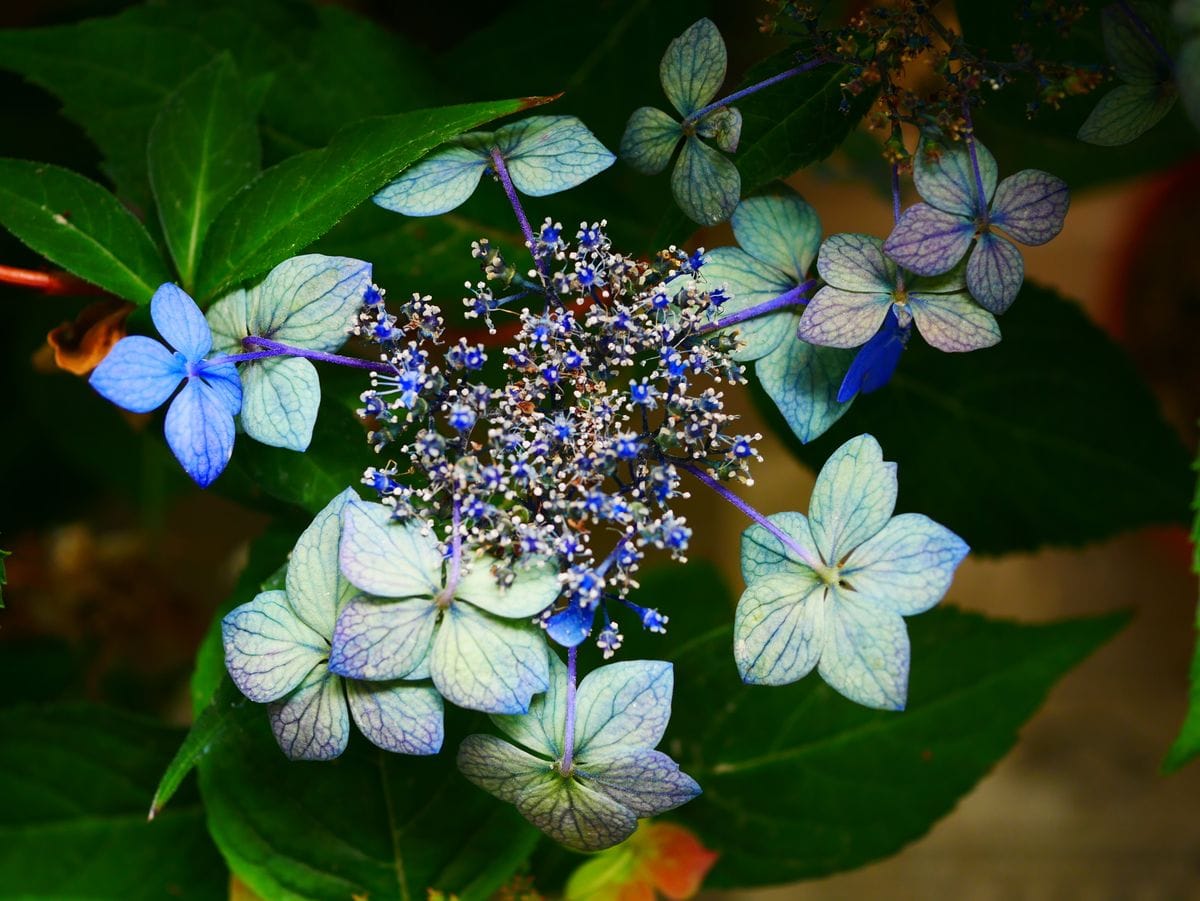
[(72, 221), (370, 823), (76, 781), (1187, 745), (1051, 437), (203, 147), (795, 123), (294, 203), (792, 774), (112, 76)]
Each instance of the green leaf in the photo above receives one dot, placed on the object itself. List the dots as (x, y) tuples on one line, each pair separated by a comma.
[(795, 123), (75, 781), (112, 76), (203, 147), (1187, 744), (72, 221), (294, 203), (373, 824), (791, 774), (1052, 433)]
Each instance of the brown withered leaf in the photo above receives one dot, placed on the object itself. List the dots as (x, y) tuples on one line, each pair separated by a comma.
[(79, 346)]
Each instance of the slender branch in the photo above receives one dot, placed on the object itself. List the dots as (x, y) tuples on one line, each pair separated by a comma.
[(785, 539), (797, 295), (1140, 24), (271, 348), (567, 762), (55, 283), (753, 89), (522, 220)]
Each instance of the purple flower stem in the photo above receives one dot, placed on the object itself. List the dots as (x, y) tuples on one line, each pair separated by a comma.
[(1140, 24), (970, 138), (522, 220), (797, 295), (784, 538), (567, 762), (277, 349), (454, 570), (895, 193), (752, 89)]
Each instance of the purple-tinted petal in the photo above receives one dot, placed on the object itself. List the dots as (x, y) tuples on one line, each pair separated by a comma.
[(995, 272), (224, 379), (856, 262), (645, 781), (1031, 205), (836, 318), (945, 178), (138, 374), (382, 640), (180, 321), (877, 360), (928, 241), (312, 723), (953, 322), (397, 716), (268, 649), (200, 432)]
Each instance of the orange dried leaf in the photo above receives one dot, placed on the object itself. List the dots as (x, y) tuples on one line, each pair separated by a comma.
[(79, 346)]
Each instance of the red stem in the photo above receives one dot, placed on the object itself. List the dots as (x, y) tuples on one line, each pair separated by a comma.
[(56, 282)]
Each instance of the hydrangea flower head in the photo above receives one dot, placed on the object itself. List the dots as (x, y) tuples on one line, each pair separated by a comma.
[(863, 286), (967, 214), (140, 374), (613, 776), (450, 620), (832, 597), (277, 650)]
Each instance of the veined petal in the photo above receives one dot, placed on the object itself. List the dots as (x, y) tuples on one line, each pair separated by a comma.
[(229, 319), (1127, 112), (199, 430), (763, 553), (647, 782), (837, 318), (534, 587), (387, 558), (946, 179), (397, 716), (866, 653), (907, 566), (779, 627), (855, 262), (225, 380), (928, 241), (438, 184), (693, 67), (378, 640), (706, 185), (782, 231), (723, 126), (138, 374), (549, 154), (268, 649), (649, 140), (180, 322), (802, 379), (313, 583), (282, 395), (542, 729), (484, 663), (995, 272), (1031, 206), (953, 322), (853, 498), (749, 282), (623, 705), (311, 723), (310, 301), (567, 811)]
